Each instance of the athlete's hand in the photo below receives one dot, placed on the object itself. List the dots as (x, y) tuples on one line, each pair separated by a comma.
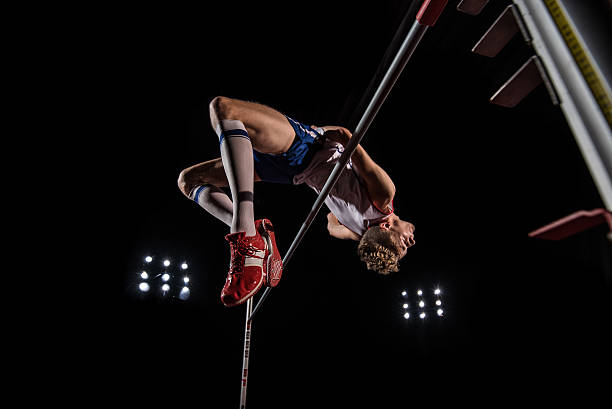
[(332, 219), (338, 134)]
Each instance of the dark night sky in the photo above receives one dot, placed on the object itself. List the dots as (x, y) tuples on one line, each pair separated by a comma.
[(473, 177)]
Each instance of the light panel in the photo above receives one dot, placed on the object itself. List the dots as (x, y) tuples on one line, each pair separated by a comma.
[(425, 303)]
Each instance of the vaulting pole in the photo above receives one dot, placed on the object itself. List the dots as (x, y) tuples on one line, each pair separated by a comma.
[(426, 17)]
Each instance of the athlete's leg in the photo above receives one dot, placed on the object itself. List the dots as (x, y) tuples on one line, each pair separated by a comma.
[(201, 184), (243, 126), (240, 126), (268, 129)]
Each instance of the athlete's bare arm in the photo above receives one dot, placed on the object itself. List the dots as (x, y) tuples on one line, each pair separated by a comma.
[(379, 185), (339, 231)]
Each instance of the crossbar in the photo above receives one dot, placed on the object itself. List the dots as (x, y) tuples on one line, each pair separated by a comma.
[(426, 17), (399, 62)]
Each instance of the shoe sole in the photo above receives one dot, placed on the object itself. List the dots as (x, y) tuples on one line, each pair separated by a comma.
[(274, 263)]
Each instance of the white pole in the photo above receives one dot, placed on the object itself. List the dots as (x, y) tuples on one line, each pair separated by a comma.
[(426, 17), (399, 62), (578, 103), (246, 351)]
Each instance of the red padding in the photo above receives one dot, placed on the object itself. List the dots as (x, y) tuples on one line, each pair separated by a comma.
[(430, 11), (572, 224)]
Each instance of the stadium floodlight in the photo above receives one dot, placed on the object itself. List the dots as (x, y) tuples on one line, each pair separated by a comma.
[(186, 279), (144, 275), (184, 293), (165, 288), (165, 276), (148, 259), (184, 266), (424, 304), (144, 287), (166, 262)]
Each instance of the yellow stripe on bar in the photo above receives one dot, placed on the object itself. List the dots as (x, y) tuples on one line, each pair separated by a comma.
[(582, 59)]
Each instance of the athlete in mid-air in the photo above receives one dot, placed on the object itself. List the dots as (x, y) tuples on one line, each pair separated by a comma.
[(258, 143)]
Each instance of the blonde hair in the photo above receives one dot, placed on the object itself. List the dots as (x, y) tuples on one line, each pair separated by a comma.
[(378, 250)]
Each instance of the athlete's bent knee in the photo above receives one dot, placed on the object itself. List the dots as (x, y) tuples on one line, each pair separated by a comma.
[(222, 107), (184, 184)]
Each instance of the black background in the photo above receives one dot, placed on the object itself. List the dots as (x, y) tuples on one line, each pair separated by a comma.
[(524, 318)]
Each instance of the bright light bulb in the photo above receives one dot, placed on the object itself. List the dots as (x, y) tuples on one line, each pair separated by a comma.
[(407, 315), (405, 306), (184, 293), (422, 315), (166, 262), (440, 312), (421, 304), (144, 275), (186, 280), (165, 287), (404, 293), (166, 277), (184, 266), (437, 291), (419, 293), (438, 302), (144, 287), (148, 259)]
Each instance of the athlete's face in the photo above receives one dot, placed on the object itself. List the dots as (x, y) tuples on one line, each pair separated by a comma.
[(403, 233)]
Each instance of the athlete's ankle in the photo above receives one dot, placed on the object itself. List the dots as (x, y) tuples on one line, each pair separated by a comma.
[(248, 232)]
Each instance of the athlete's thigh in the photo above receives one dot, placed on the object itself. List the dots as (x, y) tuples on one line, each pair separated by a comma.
[(269, 130), (209, 172)]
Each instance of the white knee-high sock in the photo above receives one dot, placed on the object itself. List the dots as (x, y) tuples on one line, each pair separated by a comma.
[(214, 201), (237, 157)]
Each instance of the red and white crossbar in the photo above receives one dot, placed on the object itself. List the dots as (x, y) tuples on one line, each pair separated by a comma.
[(426, 17)]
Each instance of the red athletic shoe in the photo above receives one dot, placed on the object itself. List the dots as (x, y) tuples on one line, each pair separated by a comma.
[(247, 267), (274, 270)]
